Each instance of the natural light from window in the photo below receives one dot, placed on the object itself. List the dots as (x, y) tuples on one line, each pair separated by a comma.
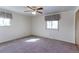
[(52, 24), (48, 24), (32, 40), (4, 22), (55, 24)]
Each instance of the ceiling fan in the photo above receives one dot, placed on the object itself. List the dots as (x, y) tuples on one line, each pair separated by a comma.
[(35, 9)]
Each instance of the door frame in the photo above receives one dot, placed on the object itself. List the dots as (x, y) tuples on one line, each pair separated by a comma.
[(75, 27)]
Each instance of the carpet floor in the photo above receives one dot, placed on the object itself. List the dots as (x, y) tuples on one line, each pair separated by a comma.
[(34, 44)]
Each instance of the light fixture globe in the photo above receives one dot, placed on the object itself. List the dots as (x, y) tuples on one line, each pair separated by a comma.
[(34, 12)]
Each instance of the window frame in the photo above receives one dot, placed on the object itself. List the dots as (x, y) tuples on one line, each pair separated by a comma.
[(51, 28)]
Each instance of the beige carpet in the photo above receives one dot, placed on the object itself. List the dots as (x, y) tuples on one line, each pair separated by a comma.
[(33, 44)]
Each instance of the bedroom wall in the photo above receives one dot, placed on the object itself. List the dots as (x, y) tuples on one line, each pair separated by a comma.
[(20, 27), (66, 27)]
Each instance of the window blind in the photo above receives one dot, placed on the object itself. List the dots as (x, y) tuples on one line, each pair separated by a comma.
[(52, 17), (5, 15)]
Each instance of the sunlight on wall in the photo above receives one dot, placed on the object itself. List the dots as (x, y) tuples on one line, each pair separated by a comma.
[(32, 40)]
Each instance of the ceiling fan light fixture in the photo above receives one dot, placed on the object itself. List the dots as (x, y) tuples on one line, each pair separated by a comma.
[(34, 12)]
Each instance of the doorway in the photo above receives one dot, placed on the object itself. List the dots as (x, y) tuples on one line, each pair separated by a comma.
[(77, 28)]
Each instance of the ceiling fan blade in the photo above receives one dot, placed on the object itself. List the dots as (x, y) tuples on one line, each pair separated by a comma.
[(39, 12), (28, 11), (40, 8), (30, 8)]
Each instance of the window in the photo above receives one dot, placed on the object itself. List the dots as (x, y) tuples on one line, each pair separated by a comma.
[(52, 21), (52, 24), (4, 22), (5, 18)]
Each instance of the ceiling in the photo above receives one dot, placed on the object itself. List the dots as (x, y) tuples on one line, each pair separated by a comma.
[(46, 10)]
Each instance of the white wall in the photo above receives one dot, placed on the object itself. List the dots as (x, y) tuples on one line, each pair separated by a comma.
[(20, 26), (66, 27), (25, 25)]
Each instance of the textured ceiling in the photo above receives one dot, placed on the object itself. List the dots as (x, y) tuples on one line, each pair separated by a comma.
[(46, 10)]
